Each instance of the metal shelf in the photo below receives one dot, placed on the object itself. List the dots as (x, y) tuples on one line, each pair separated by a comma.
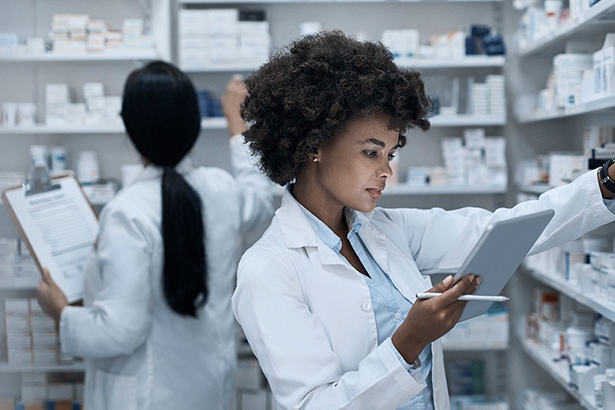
[(594, 106), (19, 283), (465, 62), (468, 120), (123, 54), (52, 367), (217, 123)]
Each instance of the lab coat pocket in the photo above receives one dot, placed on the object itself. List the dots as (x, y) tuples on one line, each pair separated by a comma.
[(114, 391)]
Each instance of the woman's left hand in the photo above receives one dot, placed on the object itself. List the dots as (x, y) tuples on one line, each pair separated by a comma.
[(50, 296)]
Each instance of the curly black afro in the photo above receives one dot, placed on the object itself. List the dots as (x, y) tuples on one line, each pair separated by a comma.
[(303, 94)]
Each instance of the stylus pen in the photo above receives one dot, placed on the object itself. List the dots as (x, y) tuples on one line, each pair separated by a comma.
[(429, 295)]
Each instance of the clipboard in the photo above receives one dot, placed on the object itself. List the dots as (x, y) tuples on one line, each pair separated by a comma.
[(498, 253), (58, 225)]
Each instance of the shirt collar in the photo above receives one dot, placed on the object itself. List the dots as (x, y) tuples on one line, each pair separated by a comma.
[(325, 233)]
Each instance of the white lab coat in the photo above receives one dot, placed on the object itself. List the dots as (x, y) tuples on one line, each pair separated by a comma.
[(139, 354), (308, 315)]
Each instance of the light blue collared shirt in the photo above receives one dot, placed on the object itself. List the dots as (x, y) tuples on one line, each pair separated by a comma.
[(390, 307)]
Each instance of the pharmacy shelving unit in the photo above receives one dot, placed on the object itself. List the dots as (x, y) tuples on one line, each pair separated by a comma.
[(532, 366), (549, 363), (22, 79)]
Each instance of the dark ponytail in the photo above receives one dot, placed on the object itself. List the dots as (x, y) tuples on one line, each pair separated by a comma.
[(184, 273), (161, 115)]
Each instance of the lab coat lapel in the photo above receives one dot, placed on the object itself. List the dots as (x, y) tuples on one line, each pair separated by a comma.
[(395, 260), (298, 233)]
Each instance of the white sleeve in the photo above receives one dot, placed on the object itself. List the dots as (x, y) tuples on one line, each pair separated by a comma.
[(255, 189), (120, 316), (440, 240)]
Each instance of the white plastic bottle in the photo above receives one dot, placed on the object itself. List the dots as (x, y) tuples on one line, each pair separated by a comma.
[(598, 396), (87, 168), (39, 156), (58, 159)]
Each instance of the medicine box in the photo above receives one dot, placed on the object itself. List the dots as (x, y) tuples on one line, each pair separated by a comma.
[(598, 65), (608, 70), (60, 391), (192, 22)]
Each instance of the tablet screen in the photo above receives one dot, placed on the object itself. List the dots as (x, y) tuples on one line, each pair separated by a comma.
[(498, 253)]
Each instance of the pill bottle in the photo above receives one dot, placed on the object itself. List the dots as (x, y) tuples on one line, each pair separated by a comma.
[(576, 339), (39, 156), (26, 113), (87, 168), (598, 397), (57, 159)]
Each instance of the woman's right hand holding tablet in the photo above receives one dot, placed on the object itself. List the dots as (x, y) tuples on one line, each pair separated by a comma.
[(430, 319)]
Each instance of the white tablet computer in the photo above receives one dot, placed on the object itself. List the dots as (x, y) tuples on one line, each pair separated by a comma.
[(498, 253)]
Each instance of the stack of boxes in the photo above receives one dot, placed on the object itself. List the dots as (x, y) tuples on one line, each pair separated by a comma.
[(77, 33), (475, 159), (30, 334), (471, 160), (488, 98), (8, 246), (68, 33), (17, 326), (50, 392), (58, 107), (97, 108), (214, 38)]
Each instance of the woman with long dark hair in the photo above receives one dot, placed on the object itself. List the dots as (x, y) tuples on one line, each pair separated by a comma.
[(156, 327)]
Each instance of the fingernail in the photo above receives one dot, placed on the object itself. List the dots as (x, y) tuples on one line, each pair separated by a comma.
[(448, 280), (478, 280)]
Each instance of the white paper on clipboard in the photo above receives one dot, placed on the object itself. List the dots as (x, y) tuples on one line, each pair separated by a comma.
[(498, 253), (59, 226)]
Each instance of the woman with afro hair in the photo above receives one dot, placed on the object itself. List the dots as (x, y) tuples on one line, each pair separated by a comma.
[(327, 296)]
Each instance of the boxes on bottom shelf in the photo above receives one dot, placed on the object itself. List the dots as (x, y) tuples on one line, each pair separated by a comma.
[(30, 334), (45, 388), (48, 405), (39, 405)]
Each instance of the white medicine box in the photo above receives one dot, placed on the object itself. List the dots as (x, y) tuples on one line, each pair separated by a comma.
[(608, 70), (598, 65)]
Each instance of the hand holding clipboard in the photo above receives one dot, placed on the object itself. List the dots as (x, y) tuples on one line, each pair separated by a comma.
[(58, 224)]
